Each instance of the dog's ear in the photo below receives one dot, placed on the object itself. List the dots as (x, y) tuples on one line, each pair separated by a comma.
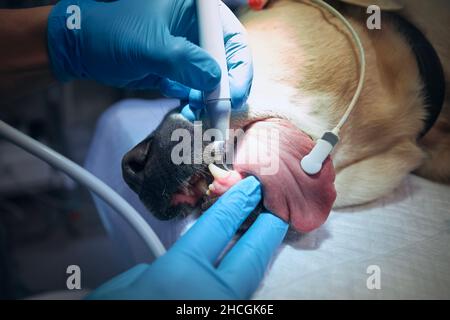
[(385, 5)]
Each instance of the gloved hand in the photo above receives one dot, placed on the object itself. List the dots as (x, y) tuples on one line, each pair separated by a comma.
[(240, 70), (188, 270), (144, 44)]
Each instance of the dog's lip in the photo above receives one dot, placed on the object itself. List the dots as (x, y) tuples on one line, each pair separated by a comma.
[(305, 201)]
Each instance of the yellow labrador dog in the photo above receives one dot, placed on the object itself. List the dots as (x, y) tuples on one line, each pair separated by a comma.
[(306, 70), (306, 73)]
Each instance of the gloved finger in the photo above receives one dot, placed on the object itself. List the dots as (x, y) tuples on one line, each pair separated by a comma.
[(239, 63), (244, 266), (148, 82), (186, 63), (239, 58), (188, 113), (215, 228), (173, 89)]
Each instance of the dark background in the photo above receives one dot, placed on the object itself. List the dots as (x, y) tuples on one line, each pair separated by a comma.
[(47, 222)]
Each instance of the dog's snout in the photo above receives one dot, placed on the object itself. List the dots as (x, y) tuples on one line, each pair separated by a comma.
[(151, 169), (133, 165)]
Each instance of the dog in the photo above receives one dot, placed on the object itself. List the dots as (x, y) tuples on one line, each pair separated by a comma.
[(306, 73)]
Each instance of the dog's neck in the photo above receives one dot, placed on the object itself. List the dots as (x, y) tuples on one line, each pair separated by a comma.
[(430, 69)]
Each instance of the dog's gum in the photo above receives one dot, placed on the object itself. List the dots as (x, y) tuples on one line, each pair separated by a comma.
[(222, 185)]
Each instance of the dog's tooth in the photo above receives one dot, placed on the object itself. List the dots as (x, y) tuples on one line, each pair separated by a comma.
[(211, 188), (217, 172)]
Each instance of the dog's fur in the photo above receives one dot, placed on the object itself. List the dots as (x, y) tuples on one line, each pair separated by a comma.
[(306, 70)]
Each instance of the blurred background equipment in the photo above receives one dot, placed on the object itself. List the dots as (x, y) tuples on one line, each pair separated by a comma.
[(46, 221)]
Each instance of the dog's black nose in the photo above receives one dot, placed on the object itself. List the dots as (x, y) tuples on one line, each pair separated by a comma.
[(133, 165)]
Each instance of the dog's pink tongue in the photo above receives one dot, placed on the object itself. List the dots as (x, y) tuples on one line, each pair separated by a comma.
[(272, 150)]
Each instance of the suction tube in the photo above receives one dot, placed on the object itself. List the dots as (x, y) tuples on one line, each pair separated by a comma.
[(218, 102), (88, 180)]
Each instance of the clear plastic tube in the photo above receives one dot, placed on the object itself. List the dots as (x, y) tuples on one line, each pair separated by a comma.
[(362, 63), (88, 180)]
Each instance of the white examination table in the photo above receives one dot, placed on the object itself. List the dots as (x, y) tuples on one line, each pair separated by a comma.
[(406, 235)]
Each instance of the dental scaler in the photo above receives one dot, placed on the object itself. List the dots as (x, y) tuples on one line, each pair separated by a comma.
[(218, 102)]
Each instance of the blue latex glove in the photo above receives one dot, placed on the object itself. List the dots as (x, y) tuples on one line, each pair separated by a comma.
[(188, 270), (142, 44), (240, 70)]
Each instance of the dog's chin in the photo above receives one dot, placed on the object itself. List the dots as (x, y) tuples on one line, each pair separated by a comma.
[(164, 210), (182, 210)]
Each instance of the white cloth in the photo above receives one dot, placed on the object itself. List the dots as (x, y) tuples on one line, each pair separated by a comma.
[(407, 235), (120, 128)]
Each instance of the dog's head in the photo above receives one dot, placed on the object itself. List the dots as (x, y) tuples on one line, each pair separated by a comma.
[(170, 179), (163, 170)]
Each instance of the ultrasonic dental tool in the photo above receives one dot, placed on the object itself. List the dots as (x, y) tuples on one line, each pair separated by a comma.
[(313, 162), (218, 102)]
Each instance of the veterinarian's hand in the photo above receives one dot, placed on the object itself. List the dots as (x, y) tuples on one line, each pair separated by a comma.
[(137, 44), (188, 270), (240, 70)]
